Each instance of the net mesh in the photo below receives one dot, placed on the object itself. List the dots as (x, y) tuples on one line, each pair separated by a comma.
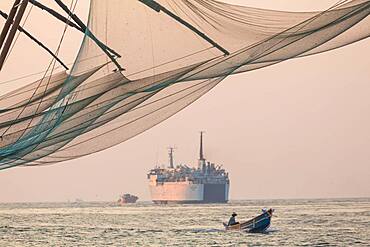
[(167, 67)]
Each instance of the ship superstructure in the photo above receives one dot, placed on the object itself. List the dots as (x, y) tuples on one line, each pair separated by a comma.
[(207, 183)]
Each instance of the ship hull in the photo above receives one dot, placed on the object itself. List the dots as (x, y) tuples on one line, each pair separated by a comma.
[(188, 193)]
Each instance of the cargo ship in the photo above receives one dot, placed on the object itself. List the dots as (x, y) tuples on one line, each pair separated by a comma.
[(206, 183)]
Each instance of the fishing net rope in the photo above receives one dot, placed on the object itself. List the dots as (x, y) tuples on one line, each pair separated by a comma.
[(172, 53)]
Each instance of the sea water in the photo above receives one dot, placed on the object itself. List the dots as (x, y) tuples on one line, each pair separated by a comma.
[(329, 222)]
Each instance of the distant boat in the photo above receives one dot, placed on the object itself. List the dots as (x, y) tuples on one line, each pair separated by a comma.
[(258, 224), (78, 200), (127, 198)]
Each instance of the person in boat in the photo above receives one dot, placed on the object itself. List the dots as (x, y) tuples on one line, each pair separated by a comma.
[(270, 211), (232, 220)]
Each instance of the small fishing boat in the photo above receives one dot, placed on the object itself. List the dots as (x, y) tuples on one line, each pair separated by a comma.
[(257, 224)]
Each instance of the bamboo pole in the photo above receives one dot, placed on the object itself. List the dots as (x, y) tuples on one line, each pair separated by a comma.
[(8, 22), (12, 32)]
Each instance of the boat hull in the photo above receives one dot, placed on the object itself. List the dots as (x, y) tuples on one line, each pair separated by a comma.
[(189, 193), (256, 225)]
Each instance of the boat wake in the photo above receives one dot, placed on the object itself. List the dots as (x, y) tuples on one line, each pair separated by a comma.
[(270, 230), (206, 230), (198, 230)]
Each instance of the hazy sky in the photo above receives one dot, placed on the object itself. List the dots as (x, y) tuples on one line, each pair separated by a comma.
[(298, 129)]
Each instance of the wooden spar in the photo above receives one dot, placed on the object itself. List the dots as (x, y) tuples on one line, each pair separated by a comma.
[(56, 15), (12, 32), (21, 29), (8, 22), (105, 48), (158, 7), (79, 25), (191, 27)]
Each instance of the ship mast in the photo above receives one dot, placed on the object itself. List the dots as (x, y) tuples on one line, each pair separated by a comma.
[(201, 155), (170, 155), (201, 160)]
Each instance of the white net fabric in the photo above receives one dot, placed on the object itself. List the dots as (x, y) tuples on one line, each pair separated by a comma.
[(168, 65)]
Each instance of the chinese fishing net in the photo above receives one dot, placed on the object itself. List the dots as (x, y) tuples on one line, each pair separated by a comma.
[(172, 52)]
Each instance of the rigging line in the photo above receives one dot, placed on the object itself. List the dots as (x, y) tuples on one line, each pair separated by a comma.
[(40, 72), (202, 15), (106, 34), (152, 44), (158, 8), (19, 104), (132, 74), (171, 61), (27, 76), (21, 29)]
